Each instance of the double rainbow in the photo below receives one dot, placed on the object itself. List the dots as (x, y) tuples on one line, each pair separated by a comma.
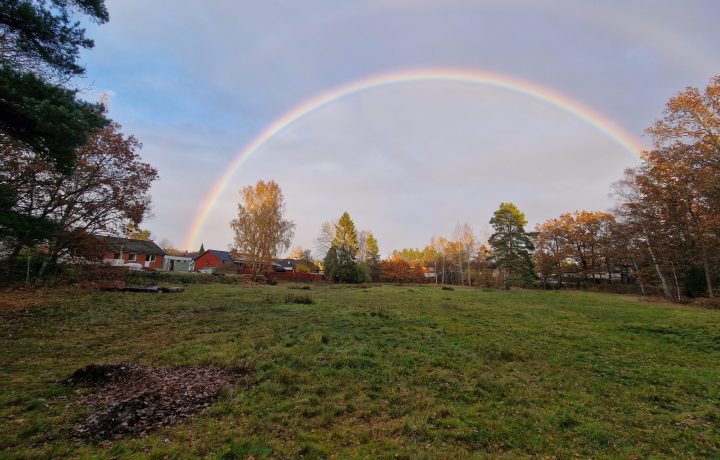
[(496, 80)]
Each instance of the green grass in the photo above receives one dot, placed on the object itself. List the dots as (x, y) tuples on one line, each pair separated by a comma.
[(382, 371)]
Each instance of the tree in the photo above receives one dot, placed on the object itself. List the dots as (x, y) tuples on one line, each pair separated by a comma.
[(511, 246), (39, 47), (39, 115), (201, 251), (686, 161), (330, 264), (465, 236), (134, 232), (372, 257), (105, 190), (298, 253), (346, 248), (261, 231), (324, 241)]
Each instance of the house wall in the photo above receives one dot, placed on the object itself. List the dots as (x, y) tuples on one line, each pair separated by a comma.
[(207, 260), (139, 259)]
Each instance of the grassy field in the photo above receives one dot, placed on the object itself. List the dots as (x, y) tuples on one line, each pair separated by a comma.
[(384, 371)]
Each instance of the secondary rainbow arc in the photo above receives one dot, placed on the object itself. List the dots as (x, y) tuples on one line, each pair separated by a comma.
[(577, 109)]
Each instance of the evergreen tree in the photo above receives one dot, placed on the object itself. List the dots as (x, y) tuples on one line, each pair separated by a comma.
[(346, 249), (373, 256), (202, 249), (40, 43), (511, 245), (330, 264)]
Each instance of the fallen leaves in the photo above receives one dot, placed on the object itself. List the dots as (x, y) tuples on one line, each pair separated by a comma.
[(131, 399)]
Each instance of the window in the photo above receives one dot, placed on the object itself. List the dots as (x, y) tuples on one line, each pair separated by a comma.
[(117, 256), (132, 257), (151, 258)]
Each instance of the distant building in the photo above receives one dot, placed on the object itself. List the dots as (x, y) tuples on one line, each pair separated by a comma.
[(178, 264), (212, 259), (287, 265), (122, 251)]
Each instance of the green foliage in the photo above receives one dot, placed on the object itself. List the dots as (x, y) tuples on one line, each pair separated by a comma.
[(346, 261), (202, 250), (346, 236), (373, 256), (42, 34), (511, 245), (363, 273), (330, 264), (47, 119), (409, 254), (341, 258), (17, 228)]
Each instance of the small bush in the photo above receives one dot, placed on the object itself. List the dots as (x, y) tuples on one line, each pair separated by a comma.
[(448, 288), (304, 299), (304, 288)]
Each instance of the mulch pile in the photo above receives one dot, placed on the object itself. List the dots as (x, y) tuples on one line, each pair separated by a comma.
[(130, 399)]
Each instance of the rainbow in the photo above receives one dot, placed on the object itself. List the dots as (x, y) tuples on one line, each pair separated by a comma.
[(496, 80)]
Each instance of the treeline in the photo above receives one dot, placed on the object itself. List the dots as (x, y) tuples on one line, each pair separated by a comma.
[(663, 233), (66, 171), (665, 228)]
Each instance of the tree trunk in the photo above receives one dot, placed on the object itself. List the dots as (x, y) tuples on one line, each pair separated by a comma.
[(657, 269), (677, 286), (642, 287), (460, 267)]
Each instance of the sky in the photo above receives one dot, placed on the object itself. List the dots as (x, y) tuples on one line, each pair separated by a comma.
[(196, 82)]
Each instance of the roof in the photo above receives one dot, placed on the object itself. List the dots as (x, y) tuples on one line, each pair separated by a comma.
[(126, 245), (224, 256), (286, 263)]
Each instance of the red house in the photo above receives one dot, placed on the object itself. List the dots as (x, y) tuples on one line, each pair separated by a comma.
[(121, 251), (212, 258)]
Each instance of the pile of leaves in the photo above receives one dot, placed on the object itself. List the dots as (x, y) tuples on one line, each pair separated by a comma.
[(130, 399)]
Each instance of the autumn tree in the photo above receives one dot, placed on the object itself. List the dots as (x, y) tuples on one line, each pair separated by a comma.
[(511, 245), (40, 115), (686, 159), (134, 232), (261, 230), (105, 190), (672, 200)]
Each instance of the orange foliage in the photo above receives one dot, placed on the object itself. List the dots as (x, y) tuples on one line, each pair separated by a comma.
[(400, 271)]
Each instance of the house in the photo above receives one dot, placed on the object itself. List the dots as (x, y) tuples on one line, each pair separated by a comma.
[(211, 259), (287, 265), (178, 264), (121, 251)]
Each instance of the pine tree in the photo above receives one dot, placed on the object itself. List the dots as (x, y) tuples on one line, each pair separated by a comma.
[(511, 245), (346, 248), (330, 264), (373, 256), (202, 249)]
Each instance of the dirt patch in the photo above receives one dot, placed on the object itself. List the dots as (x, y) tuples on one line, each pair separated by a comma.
[(130, 399)]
